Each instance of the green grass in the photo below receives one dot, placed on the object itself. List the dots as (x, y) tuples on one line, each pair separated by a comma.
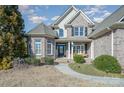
[(89, 69)]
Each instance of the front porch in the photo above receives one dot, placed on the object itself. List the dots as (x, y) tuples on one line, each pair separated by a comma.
[(67, 48)]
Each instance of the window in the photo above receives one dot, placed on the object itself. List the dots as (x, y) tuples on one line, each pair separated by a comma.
[(78, 49), (78, 31), (49, 47), (81, 31), (122, 20), (37, 46), (61, 33)]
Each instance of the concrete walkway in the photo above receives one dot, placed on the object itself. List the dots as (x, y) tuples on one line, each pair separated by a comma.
[(106, 80)]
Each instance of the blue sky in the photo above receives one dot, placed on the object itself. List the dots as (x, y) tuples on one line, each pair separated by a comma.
[(35, 14)]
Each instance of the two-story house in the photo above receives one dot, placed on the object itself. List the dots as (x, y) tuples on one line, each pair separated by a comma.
[(73, 32), (69, 36)]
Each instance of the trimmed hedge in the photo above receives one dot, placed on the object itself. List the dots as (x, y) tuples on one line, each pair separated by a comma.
[(107, 63), (79, 58), (32, 61), (49, 60)]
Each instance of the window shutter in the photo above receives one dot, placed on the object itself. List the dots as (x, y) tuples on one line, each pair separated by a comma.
[(85, 31), (72, 32), (86, 48)]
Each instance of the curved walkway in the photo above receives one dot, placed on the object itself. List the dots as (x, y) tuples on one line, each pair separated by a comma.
[(106, 80)]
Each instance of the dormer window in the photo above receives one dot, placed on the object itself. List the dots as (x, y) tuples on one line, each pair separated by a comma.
[(122, 20), (61, 33)]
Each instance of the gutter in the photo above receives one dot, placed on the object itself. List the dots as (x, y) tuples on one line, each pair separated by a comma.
[(117, 25)]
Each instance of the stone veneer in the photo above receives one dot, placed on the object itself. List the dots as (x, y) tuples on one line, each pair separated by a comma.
[(119, 45), (102, 45), (43, 46)]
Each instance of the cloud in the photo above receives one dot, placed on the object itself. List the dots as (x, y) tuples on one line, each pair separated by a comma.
[(102, 17), (92, 10), (55, 18), (98, 12), (37, 19), (31, 11), (98, 19), (106, 13)]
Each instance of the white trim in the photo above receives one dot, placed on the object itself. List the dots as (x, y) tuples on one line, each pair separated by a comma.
[(51, 48), (80, 47), (86, 17), (65, 13), (79, 27), (121, 19), (35, 47), (92, 49), (83, 15), (112, 42), (69, 50), (59, 33)]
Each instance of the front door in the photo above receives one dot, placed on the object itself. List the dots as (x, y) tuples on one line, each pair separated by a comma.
[(61, 49)]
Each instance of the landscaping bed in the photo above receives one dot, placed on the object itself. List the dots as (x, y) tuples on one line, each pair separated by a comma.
[(89, 69)]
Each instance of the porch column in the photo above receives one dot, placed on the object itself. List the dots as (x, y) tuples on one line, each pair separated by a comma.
[(54, 50), (69, 50), (92, 49), (112, 45)]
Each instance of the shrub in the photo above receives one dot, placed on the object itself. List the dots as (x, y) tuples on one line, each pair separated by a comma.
[(107, 63), (49, 60), (79, 58), (33, 61), (6, 63)]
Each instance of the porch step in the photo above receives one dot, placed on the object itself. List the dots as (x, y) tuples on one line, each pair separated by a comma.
[(63, 60), (66, 60)]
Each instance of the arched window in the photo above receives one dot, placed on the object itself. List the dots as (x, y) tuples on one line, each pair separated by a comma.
[(61, 33)]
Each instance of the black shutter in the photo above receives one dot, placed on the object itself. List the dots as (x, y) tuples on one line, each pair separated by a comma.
[(85, 31), (72, 32), (86, 48)]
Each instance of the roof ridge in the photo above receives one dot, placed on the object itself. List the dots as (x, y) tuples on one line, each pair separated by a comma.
[(111, 14)]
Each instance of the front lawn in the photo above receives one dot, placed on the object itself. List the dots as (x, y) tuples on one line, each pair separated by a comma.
[(89, 69), (42, 76)]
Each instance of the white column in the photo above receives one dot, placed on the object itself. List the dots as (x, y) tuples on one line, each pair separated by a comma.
[(54, 51), (69, 50), (92, 49), (112, 41)]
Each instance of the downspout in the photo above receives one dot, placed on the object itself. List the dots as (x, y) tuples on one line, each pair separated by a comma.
[(112, 41)]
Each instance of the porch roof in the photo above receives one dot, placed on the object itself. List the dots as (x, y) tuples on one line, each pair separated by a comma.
[(74, 39)]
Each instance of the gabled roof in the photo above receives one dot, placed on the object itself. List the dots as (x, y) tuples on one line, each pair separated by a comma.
[(64, 15), (109, 21), (84, 15), (42, 29)]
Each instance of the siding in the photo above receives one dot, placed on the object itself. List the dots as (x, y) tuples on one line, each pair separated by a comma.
[(102, 45), (65, 20), (119, 45), (78, 21)]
